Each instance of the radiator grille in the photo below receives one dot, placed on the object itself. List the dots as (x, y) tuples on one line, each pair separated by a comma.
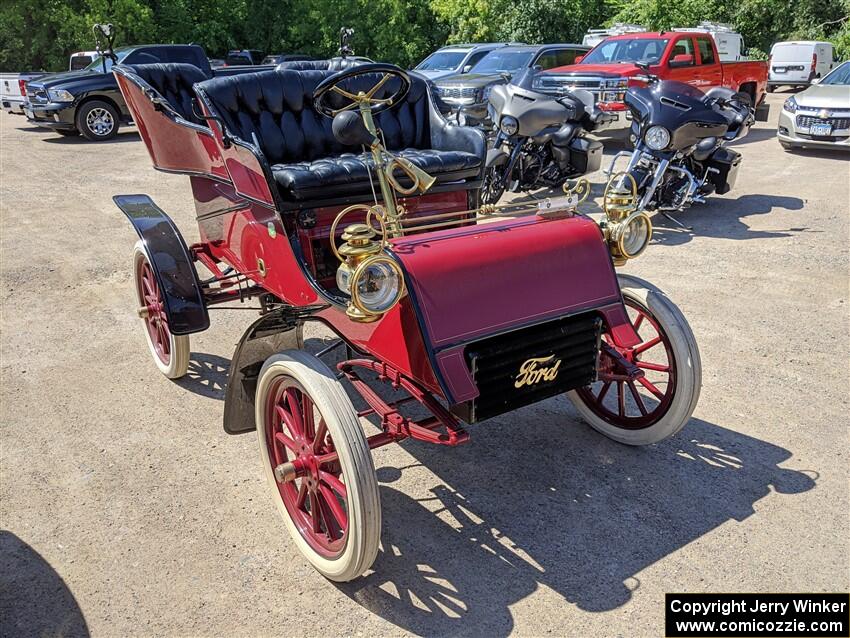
[(496, 363), (457, 93), (840, 123), (37, 95)]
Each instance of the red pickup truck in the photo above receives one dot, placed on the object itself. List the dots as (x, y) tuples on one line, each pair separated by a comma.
[(609, 68)]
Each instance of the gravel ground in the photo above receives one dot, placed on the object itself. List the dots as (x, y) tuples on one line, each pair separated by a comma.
[(126, 509)]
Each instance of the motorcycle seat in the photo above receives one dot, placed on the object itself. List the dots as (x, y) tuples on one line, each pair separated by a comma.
[(719, 92)]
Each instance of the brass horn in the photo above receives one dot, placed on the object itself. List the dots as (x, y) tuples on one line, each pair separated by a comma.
[(422, 181)]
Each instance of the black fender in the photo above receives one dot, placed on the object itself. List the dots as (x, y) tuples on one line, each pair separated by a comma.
[(280, 329), (496, 157), (172, 264)]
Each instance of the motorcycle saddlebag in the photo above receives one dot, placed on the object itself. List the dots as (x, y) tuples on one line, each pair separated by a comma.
[(727, 162), (585, 156)]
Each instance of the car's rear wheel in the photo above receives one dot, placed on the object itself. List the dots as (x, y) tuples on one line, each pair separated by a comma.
[(657, 405), (97, 121), (170, 352)]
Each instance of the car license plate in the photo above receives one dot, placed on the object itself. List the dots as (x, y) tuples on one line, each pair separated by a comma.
[(820, 129)]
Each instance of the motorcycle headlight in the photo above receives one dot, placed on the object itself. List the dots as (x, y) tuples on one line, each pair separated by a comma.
[(790, 105), (376, 285), (657, 138), (509, 125), (59, 95)]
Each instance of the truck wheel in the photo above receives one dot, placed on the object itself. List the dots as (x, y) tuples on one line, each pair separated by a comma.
[(97, 121), (68, 133), (659, 404), (318, 464)]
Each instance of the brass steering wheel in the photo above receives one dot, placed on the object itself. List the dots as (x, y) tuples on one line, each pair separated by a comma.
[(333, 86)]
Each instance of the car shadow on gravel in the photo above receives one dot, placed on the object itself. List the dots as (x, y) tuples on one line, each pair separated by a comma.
[(207, 375), (129, 136), (34, 600), (546, 502)]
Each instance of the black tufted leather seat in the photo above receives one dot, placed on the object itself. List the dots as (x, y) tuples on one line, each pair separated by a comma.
[(332, 64), (275, 108), (174, 83)]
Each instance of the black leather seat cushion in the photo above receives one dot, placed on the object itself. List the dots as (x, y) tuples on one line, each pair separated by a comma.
[(331, 64), (274, 110), (349, 173), (174, 82)]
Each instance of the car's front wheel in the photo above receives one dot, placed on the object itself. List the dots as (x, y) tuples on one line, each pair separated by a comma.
[(658, 404), (97, 121)]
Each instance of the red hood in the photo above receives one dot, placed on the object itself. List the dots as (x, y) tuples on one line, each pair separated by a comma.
[(614, 70), (468, 283)]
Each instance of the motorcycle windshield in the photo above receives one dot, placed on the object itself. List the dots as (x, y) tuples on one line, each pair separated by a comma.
[(524, 79)]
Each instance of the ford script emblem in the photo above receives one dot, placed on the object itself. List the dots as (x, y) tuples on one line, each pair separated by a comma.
[(534, 371)]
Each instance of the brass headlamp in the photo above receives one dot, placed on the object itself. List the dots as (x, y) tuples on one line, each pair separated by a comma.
[(371, 278), (626, 229)]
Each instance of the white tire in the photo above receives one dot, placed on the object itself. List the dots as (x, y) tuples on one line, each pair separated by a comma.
[(674, 410), (170, 352), (339, 553)]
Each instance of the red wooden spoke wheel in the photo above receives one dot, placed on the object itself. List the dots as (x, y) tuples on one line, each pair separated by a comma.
[(318, 464), (657, 404), (316, 499), (170, 352), (154, 316), (639, 403)]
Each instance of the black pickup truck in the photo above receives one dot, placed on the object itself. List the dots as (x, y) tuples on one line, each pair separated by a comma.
[(88, 102)]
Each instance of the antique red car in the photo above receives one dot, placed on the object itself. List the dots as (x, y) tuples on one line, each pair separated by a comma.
[(342, 196)]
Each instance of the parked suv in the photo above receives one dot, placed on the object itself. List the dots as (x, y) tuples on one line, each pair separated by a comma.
[(454, 59), (466, 94), (88, 102)]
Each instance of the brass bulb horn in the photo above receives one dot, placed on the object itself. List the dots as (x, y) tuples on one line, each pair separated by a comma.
[(422, 181)]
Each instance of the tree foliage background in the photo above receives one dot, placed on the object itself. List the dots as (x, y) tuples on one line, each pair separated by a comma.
[(41, 35)]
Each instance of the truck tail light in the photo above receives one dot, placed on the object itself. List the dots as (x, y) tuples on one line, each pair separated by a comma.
[(769, 63), (611, 106), (22, 85), (814, 64)]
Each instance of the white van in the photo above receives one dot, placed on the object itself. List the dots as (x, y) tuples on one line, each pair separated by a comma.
[(730, 43), (798, 63)]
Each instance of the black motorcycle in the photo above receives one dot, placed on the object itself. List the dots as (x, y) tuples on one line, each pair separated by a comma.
[(679, 134), (540, 140)]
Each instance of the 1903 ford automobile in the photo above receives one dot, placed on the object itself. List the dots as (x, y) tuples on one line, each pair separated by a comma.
[(466, 319)]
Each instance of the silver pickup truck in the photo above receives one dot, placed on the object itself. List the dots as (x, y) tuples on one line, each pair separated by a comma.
[(13, 90)]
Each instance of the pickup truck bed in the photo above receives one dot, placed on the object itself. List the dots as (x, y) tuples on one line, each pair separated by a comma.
[(13, 90)]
